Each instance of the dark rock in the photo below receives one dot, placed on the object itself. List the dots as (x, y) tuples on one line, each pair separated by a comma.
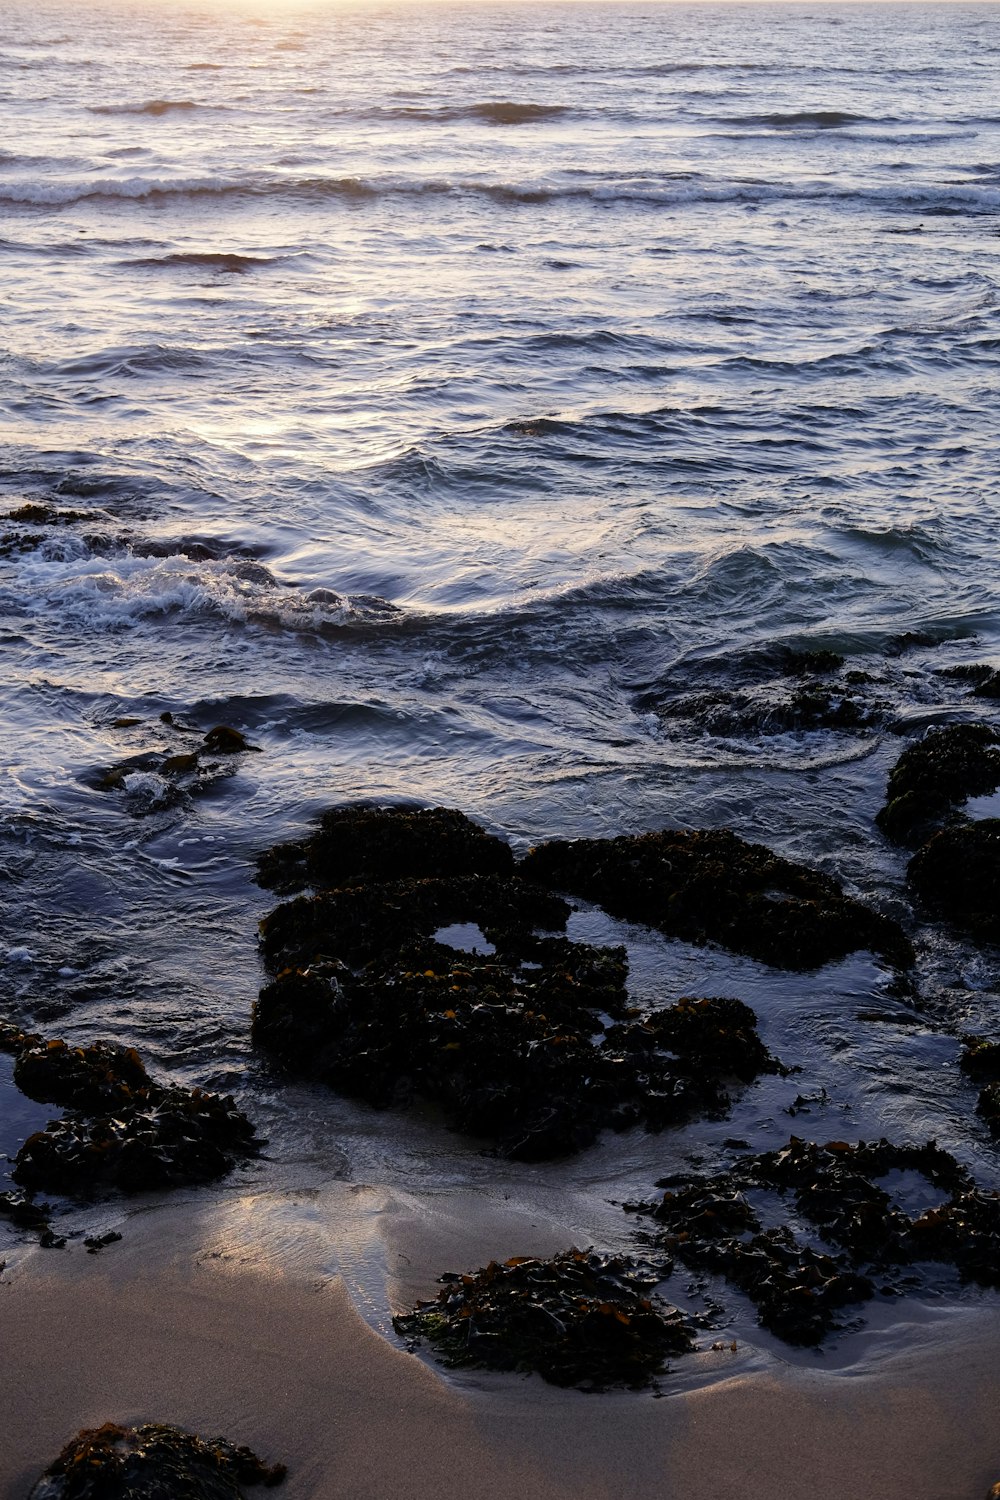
[(981, 1059), (152, 1462), (933, 777), (989, 1106), (124, 1130), (100, 1078), (23, 1212), (577, 1319), (97, 1242), (222, 740), (711, 886), (179, 772), (362, 923), (519, 1055), (36, 514), (957, 875), (975, 672), (352, 845)]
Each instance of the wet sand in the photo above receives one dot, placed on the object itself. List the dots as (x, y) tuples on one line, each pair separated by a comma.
[(187, 1323)]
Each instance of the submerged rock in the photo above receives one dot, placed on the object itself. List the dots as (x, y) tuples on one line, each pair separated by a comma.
[(152, 1462), (152, 779), (710, 1225), (957, 875), (533, 1044), (710, 886), (576, 1319), (935, 776), (123, 1130)]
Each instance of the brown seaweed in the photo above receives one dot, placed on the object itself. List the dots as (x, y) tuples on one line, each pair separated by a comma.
[(710, 1224), (577, 1319), (123, 1129), (152, 1462)]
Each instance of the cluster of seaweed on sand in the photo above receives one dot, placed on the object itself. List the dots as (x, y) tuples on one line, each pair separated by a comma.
[(577, 1319), (152, 1462)]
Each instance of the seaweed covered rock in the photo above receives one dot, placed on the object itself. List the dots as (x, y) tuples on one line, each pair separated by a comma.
[(577, 1319), (152, 1462), (352, 845), (957, 875), (123, 1130), (710, 1224), (518, 1054), (710, 886), (935, 776), (532, 1044), (370, 922)]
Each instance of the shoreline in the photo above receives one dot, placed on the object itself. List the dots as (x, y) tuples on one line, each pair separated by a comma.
[(184, 1323)]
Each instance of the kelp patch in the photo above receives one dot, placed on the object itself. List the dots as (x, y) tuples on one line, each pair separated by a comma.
[(152, 1462), (577, 1319), (711, 1225), (191, 762)]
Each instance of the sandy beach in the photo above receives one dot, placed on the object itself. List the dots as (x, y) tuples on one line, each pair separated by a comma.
[(170, 1324)]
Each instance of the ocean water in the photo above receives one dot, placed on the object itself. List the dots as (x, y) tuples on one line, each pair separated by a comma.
[(475, 405)]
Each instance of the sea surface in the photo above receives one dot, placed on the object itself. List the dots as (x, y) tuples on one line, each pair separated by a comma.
[(480, 406)]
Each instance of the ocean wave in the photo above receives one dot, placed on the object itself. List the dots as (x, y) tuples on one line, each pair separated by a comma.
[(813, 119), (491, 112), (212, 260), (154, 107), (667, 190), (123, 592)]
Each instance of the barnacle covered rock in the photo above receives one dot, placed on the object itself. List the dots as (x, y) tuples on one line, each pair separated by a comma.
[(935, 776), (710, 886), (957, 875), (577, 1319), (151, 1462)]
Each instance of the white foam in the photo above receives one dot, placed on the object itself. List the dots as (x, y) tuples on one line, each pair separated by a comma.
[(124, 592)]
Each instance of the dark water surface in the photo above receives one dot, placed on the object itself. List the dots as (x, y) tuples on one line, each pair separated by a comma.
[(471, 405)]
